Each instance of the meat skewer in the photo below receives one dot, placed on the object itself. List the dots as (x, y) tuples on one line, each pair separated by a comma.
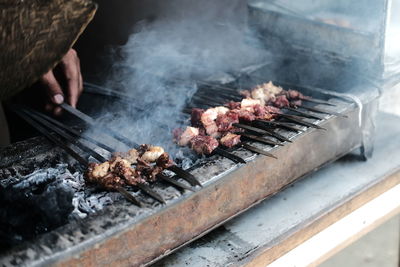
[(162, 161), (320, 110), (149, 162), (65, 135), (259, 139), (70, 151), (182, 173), (305, 114), (221, 125), (280, 124), (298, 120), (257, 150), (70, 130), (263, 132)]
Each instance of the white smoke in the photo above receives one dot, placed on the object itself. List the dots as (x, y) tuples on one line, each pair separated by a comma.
[(189, 40)]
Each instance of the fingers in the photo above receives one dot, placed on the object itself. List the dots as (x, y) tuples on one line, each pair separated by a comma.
[(54, 91), (72, 71), (53, 88)]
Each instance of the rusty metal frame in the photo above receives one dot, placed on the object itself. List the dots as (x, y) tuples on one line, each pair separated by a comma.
[(154, 236)]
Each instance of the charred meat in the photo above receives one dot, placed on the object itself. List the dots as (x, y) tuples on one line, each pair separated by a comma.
[(119, 171)]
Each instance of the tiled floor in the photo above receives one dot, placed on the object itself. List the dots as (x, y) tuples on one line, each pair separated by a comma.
[(378, 248)]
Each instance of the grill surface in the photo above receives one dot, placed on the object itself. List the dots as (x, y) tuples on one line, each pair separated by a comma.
[(125, 234)]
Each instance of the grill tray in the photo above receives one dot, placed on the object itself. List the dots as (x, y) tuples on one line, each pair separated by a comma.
[(125, 234)]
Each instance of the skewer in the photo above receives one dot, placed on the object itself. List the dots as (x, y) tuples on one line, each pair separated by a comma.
[(53, 139), (174, 182), (101, 158), (83, 161), (259, 139), (72, 131), (185, 175), (67, 137), (70, 151), (298, 120), (317, 101), (257, 150), (320, 110), (274, 134), (129, 197), (280, 125), (151, 192), (89, 120), (305, 114), (262, 131), (228, 155)]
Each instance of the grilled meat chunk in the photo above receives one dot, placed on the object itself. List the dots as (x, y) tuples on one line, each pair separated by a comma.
[(152, 153), (233, 105), (148, 170), (203, 144), (183, 137), (230, 140), (196, 117), (249, 103), (281, 101), (225, 122), (117, 172), (164, 161), (294, 95)]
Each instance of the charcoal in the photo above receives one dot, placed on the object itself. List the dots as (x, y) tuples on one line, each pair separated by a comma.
[(33, 206)]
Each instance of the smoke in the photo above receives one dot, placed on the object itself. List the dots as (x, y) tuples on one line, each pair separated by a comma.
[(188, 40)]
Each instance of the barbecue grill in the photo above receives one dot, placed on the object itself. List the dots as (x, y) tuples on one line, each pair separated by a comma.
[(98, 227)]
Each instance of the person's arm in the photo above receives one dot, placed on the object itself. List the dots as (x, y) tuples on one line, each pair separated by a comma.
[(70, 68)]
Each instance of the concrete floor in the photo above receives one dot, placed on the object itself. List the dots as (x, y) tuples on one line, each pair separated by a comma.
[(378, 248)]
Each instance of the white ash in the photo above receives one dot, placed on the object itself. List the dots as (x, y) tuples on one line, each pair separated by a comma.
[(86, 200)]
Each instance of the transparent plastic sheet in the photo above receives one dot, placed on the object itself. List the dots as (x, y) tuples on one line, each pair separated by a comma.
[(366, 118)]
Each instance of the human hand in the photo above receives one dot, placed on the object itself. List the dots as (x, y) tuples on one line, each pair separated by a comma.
[(67, 86)]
